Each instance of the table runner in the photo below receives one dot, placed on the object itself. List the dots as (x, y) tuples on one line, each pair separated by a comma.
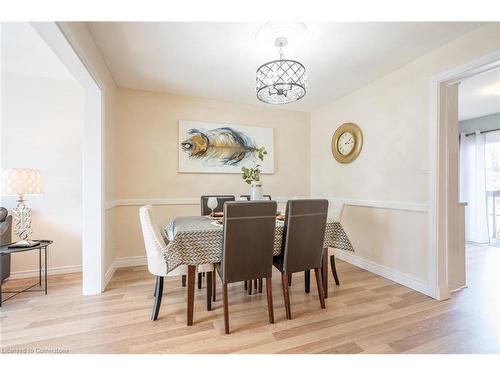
[(194, 240)]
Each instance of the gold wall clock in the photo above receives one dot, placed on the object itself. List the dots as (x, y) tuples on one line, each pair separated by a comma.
[(347, 142)]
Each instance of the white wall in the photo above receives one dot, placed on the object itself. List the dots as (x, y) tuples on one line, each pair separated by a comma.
[(42, 123), (391, 170), (99, 231)]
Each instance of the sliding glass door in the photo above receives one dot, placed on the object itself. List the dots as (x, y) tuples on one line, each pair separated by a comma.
[(492, 164)]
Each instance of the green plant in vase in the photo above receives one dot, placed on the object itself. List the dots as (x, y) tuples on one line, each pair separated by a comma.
[(252, 175)]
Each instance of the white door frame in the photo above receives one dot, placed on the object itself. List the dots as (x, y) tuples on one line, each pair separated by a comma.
[(92, 157), (438, 172)]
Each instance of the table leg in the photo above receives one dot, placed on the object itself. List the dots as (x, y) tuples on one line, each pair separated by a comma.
[(324, 271), (209, 290), (45, 252), (190, 294), (40, 266)]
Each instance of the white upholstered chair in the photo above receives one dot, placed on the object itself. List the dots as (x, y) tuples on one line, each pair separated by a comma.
[(155, 243)]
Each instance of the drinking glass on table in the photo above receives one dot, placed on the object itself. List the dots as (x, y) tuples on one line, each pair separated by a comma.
[(212, 203)]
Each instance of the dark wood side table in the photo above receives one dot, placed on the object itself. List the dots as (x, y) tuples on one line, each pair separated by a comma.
[(43, 245)]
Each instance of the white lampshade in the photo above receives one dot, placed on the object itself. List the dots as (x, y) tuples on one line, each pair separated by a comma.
[(21, 181)]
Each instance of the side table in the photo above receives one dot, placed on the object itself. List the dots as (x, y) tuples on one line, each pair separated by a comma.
[(43, 245)]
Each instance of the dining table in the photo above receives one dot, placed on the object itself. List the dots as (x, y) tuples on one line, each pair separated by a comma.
[(197, 240)]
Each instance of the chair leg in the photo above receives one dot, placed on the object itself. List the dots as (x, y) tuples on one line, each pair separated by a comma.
[(156, 287), (255, 284), (307, 281), (286, 296), (159, 293), (209, 290), (259, 283), (249, 287), (245, 285), (319, 284), (184, 280), (334, 270), (324, 270), (199, 280), (226, 307), (289, 279), (269, 290)]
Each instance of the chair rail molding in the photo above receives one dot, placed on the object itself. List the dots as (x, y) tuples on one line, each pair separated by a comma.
[(393, 205)]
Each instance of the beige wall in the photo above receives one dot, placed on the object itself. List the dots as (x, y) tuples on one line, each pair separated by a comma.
[(393, 113), (42, 122), (146, 156)]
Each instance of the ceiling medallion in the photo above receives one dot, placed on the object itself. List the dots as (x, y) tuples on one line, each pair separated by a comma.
[(281, 81)]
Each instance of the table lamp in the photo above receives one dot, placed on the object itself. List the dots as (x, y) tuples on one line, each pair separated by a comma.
[(20, 182)]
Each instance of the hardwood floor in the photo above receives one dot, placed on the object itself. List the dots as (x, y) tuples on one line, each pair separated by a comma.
[(365, 314)]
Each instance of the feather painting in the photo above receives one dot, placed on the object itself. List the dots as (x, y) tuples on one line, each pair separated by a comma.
[(215, 148), (225, 145)]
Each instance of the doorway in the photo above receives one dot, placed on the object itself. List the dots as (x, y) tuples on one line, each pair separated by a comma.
[(90, 172), (92, 154), (479, 129), (446, 214)]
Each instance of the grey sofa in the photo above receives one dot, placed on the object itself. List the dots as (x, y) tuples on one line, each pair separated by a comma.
[(5, 238)]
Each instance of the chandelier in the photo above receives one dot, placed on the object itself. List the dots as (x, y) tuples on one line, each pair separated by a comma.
[(281, 81)]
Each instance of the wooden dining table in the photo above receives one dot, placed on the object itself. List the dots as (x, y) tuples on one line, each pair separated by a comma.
[(197, 240)]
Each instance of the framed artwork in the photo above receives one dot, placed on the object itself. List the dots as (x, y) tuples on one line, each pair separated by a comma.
[(221, 148)]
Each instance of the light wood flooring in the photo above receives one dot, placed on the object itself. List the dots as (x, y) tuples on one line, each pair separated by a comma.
[(365, 314)]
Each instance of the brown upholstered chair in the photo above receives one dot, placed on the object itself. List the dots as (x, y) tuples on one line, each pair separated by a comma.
[(221, 199), (247, 197), (248, 247), (205, 210), (302, 249), (256, 283)]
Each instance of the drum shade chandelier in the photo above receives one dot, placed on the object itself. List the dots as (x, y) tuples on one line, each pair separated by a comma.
[(281, 81)]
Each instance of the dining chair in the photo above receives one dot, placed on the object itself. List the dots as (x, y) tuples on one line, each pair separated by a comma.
[(247, 250), (257, 284), (302, 246), (205, 210), (155, 243), (221, 199), (247, 197)]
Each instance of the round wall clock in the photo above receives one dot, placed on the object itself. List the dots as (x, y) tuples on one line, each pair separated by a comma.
[(347, 142)]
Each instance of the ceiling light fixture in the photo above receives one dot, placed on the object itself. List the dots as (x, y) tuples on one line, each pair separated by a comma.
[(281, 81)]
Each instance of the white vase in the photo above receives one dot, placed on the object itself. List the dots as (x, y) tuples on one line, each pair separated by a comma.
[(256, 191)]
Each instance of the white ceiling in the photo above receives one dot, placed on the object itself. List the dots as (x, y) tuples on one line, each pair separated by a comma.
[(218, 60), (477, 97), (25, 52)]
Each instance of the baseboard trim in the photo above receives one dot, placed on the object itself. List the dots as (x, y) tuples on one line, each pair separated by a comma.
[(117, 263), (131, 261), (122, 263), (51, 271), (459, 289), (409, 281)]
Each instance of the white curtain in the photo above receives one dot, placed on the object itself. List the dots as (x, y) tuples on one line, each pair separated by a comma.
[(473, 187)]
